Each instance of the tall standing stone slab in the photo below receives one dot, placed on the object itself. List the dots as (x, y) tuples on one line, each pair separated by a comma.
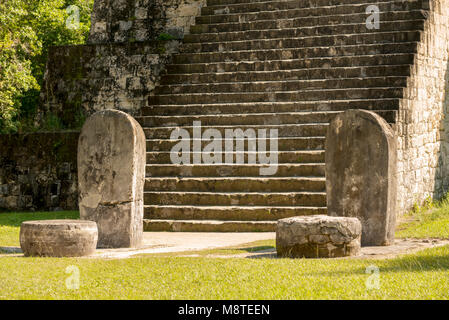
[(361, 155), (111, 173)]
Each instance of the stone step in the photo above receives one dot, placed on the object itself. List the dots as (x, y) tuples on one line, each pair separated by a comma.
[(270, 107), (233, 170), (233, 198), (236, 184), (150, 225), (311, 2), (283, 157), (299, 32), (274, 10), (284, 144), (238, 119), (305, 3), (283, 96), (286, 75), (284, 130), (232, 213), (293, 64), (311, 41), (353, 51), (253, 119), (285, 85), (308, 21)]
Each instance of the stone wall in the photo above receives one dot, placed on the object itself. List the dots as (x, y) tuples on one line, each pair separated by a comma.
[(118, 69), (121, 65), (423, 130), (38, 171), (80, 80), (142, 20)]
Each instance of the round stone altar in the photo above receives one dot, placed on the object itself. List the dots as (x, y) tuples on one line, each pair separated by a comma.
[(58, 238), (318, 237)]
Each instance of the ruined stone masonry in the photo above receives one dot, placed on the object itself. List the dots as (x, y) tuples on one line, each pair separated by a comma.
[(318, 237), (290, 65), (130, 43), (90, 78), (38, 171)]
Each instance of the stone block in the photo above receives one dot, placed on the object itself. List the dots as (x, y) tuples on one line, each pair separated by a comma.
[(111, 173), (58, 238), (318, 237), (361, 159)]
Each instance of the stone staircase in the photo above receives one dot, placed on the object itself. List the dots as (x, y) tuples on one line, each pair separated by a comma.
[(286, 65)]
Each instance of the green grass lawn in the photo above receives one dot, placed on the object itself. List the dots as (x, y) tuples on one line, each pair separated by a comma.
[(431, 222), (424, 275), (419, 276)]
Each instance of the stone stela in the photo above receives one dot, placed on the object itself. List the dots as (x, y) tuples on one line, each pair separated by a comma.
[(361, 158), (111, 173)]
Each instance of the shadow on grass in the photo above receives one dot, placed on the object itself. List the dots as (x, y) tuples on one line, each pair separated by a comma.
[(257, 249), (14, 219), (433, 259), (266, 251)]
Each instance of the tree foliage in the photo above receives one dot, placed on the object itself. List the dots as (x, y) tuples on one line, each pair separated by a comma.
[(27, 29)]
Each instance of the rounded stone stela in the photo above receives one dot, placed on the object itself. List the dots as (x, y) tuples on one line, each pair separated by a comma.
[(58, 238), (318, 237)]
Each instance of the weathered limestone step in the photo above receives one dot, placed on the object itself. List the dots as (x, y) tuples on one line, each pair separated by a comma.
[(293, 123), (353, 51), (312, 41), (285, 85), (305, 9), (303, 95), (289, 64), (238, 119), (283, 157), (284, 130), (236, 184), (227, 2), (233, 198), (284, 144), (312, 3), (305, 3), (289, 9), (341, 29), (270, 107), (234, 170), (252, 213), (256, 119), (208, 226), (286, 75), (300, 22)]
